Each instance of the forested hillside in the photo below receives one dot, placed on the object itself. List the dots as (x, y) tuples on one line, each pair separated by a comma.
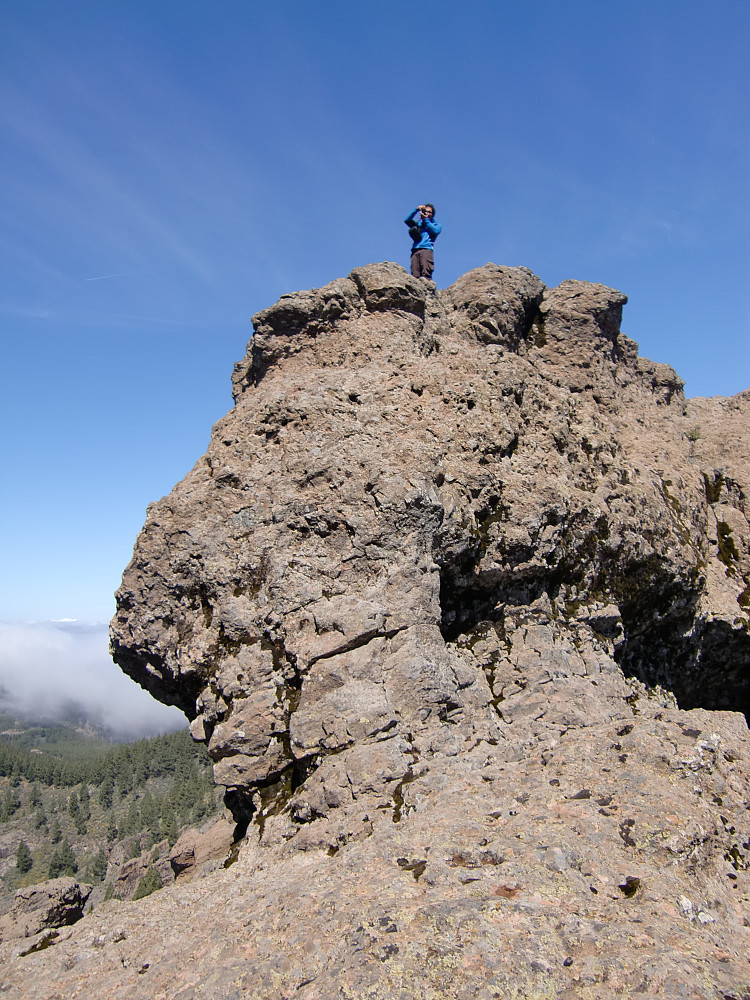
[(73, 803)]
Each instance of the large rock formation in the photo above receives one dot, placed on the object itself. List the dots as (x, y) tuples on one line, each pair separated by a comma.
[(458, 599), (406, 476)]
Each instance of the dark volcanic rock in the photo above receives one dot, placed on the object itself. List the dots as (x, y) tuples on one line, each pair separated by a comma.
[(458, 599)]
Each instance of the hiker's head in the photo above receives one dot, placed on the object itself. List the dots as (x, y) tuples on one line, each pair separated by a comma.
[(429, 209)]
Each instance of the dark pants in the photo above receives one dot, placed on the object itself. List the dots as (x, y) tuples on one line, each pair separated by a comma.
[(422, 263)]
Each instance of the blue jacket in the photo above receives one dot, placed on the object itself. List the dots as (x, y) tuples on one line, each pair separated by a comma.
[(429, 229)]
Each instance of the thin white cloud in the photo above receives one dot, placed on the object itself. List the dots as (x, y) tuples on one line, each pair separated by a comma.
[(87, 187), (49, 668), (103, 277)]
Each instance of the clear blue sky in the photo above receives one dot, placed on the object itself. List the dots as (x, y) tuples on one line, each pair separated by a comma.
[(169, 167)]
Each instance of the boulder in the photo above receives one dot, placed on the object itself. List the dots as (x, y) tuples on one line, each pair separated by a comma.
[(198, 851), (57, 902)]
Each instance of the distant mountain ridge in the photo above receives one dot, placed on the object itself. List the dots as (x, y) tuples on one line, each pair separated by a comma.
[(26, 725)]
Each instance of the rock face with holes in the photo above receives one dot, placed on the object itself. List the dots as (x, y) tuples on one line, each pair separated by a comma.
[(458, 600), (403, 473)]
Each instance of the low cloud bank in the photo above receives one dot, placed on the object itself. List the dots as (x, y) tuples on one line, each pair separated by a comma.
[(57, 670)]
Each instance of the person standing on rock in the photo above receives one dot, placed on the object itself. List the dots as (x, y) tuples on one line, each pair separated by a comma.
[(424, 231)]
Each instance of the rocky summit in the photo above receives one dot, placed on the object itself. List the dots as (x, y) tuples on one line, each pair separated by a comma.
[(458, 599)]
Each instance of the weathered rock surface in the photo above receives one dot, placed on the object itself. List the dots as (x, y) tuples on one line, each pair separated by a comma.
[(458, 599), (199, 851), (403, 467), (609, 863), (57, 902), (126, 877)]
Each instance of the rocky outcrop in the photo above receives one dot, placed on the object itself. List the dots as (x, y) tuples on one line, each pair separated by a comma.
[(458, 599), (407, 469), (127, 876), (58, 902), (200, 851)]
